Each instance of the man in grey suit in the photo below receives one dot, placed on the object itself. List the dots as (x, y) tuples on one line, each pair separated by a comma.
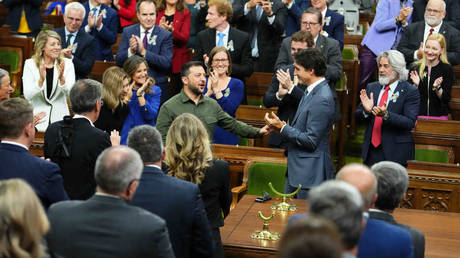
[(105, 225), (309, 159), (392, 182), (311, 20)]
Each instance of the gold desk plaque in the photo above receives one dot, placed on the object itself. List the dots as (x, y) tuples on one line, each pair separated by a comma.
[(265, 234), (284, 205)]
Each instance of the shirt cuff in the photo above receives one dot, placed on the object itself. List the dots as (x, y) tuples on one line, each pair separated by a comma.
[(365, 114), (87, 29), (415, 55), (246, 10), (129, 53), (278, 97), (100, 28), (292, 88), (290, 5), (282, 128)]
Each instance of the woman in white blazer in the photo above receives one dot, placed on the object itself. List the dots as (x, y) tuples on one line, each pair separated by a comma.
[(48, 78)]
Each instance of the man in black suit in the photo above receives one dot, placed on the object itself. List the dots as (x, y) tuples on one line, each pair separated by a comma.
[(452, 11), (17, 133), (415, 34), (105, 225), (264, 20), (392, 182), (74, 143), (236, 41), (174, 200), (76, 43), (284, 93)]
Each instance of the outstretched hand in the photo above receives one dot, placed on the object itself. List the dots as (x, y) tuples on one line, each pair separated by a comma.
[(274, 122), (368, 103)]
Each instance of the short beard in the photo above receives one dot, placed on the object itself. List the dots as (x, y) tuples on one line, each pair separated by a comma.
[(432, 20), (195, 90), (385, 80)]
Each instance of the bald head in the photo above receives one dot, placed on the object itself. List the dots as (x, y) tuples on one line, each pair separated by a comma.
[(361, 177)]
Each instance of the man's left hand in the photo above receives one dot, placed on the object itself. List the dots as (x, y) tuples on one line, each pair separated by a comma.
[(380, 111), (274, 123)]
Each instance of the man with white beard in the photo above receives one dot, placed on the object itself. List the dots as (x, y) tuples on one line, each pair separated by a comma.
[(415, 34), (390, 107)]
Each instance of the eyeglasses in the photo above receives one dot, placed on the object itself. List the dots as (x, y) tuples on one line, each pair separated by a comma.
[(309, 23), (432, 11), (220, 60)]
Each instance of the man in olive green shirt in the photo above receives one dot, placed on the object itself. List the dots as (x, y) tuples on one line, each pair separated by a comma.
[(191, 100)]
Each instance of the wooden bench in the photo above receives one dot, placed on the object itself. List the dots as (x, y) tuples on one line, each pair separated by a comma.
[(256, 86), (433, 186), (456, 69), (25, 47), (438, 132), (454, 103), (99, 68), (237, 156), (53, 22), (351, 69), (254, 115)]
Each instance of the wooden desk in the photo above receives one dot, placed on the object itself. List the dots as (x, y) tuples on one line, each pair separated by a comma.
[(442, 230), (243, 220)]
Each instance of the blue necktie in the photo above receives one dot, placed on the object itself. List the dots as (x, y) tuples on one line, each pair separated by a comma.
[(221, 35), (94, 11)]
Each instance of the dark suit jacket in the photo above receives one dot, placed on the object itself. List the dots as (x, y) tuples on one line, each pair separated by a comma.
[(179, 203), (32, 10), (85, 53), (334, 26), (268, 36), (294, 15), (383, 240), (413, 35), (216, 193), (452, 11), (158, 55), (287, 107), (328, 46), (418, 239), (240, 50), (107, 36), (42, 175), (309, 158), (397, 142), (78, 171), (181, 35), (106, 226)]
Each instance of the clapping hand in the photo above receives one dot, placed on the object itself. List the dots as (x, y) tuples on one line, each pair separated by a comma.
[(415, 78), (368, 103), (165, 24), (99, 20), (437, 82), (133, 44), (380, 111), (38, 118), (213, 81), (115, 138), (61, 73), (67, 52), (420, 51)]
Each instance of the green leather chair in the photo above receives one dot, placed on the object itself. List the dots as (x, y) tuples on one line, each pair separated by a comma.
[(434, 153)]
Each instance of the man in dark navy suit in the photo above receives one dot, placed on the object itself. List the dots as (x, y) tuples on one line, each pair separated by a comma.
[(176, 201), (17, 133), (390, 108), (149, 41), (101, 22), (77, 44), (333, 23)]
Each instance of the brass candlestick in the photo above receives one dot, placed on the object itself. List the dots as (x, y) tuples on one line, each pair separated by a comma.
[(265, 234), (284, 205)]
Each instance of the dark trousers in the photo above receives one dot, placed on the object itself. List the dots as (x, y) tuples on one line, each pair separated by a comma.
[(374, 155), (218, 248), (367, 66)]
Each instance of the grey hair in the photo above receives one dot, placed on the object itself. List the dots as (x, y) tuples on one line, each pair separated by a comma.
[(116, 167), (341, 203), (3, 73), (75, 6), (392, 184), (397, 62), (84, 95), (146, 140)]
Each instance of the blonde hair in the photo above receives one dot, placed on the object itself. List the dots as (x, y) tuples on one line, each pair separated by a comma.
[(188, 150), (443, 57), (40, 42), (23, 220), (112, 81)]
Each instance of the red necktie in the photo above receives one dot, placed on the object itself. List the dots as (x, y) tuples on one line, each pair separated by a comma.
[(377, 130), (431, 32), (144, 42)]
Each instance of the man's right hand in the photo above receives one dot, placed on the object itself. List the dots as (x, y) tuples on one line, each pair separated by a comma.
[(420, 51), (133, 44), (67, 52), (368, 103), (252, 3)]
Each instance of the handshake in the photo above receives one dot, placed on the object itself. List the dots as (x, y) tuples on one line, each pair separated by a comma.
[(272, 123)]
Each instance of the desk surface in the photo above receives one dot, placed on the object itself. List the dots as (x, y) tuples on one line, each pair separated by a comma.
[(442, 230)]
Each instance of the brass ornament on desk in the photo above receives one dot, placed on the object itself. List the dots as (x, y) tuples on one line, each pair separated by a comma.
[(284, 205), (265, 234)]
